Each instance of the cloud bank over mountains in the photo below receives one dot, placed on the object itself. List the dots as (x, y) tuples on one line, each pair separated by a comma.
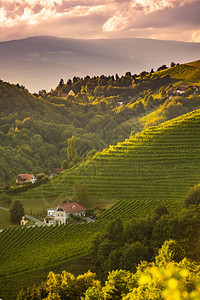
[(165, 19)]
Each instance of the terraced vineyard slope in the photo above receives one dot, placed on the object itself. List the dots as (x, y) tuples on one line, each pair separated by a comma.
[(161, 163), (23, 249)]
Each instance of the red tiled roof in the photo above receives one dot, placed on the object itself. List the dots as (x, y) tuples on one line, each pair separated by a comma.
[(63, 95), (182, 87), (26, 177), (70, 207)]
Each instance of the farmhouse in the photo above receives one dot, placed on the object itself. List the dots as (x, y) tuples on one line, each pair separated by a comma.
[(60, 214), (22, 178)]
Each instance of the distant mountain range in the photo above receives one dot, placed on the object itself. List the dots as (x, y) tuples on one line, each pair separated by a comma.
[(40, 62)]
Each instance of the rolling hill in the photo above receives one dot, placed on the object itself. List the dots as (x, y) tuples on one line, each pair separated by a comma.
[(39, 62), (160, 163), (151, 168), (188, 73), (155, 167)]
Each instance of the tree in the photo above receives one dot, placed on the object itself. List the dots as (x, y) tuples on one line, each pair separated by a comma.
[(161, 210), (193, 196), (16, 212), (132, 254), (172, 64), (170, 251), (71, 150), (117, 284), (61, 83), (5, 199), (64, 164), (114, 230)]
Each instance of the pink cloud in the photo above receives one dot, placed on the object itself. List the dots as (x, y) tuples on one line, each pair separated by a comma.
[(99, 18)]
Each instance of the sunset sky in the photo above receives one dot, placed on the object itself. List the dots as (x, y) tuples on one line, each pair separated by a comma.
[(157, 19)]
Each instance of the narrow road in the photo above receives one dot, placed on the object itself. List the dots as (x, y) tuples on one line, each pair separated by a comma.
[(27, 216)]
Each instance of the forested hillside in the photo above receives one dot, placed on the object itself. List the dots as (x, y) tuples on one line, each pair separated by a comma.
[(100, 111), (130, 146)]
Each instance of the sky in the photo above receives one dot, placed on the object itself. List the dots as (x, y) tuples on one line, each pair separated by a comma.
[(156, 19)]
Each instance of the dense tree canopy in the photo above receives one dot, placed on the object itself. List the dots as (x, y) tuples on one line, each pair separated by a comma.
[(16, 212), (163, 279)]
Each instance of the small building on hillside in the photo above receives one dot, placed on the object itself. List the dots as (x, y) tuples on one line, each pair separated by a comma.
[(196, 89), (23, 221), (181, 89), (60, 214), (56, 171), (63, 95), (71, 93), (22, 178), (120, 103)]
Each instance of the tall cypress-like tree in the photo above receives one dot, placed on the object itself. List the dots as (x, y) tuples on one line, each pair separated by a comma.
[(16, 212), (71, 149)]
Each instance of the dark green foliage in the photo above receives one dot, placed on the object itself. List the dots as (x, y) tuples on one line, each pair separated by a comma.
[(114, 230), (163, 279), (5, 199), (193, 196), (141, 238), (71, 150), (161, 210), (16, 212), (132, 254)]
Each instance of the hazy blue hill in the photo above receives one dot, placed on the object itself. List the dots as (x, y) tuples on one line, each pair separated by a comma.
[(40, 62)]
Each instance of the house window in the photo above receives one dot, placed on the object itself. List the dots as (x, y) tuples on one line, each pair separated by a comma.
[(74, 207)]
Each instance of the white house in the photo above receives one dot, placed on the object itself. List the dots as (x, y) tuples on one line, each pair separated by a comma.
[(60, 214)]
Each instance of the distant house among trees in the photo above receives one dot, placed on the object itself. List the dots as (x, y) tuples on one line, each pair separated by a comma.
[(23, 221), (71, 93), (60, 214), (56, 171), (22, 178), (181, 89), (196, 89), (63, 95), (120, 103)]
